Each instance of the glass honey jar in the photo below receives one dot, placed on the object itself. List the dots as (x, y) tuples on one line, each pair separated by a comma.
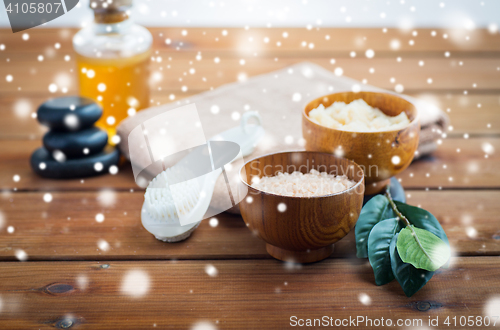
[(113, 56)]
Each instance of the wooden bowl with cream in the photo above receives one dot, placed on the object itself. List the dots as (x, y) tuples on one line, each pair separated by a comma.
[(301, 229), (382, 154)]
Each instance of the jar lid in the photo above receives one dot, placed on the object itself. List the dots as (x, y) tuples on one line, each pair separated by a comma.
[(98, 5), (110, 11)]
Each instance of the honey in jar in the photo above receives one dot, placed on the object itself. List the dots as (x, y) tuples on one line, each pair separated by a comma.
[(113, 56)]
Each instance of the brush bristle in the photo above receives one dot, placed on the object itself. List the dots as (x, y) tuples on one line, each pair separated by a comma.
[(159, 198)]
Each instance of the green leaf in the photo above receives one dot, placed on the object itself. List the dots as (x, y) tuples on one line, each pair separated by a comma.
[(422, 219), (422, 249), (410, 278), (379, 241), (376, 210), (397, 191)]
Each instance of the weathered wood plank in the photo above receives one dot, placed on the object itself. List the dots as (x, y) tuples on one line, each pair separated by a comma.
[(65, 229), (474, 114), (246, 293), (458, 163), (466, 168), (15, 156), (257, 294), (446, 73), (237, 40)]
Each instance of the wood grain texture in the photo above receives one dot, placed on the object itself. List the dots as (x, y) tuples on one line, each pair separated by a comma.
[(360, 146), (308, 226), (446, 73), (252, 294), (472, 113), (458, 163), (237, 40), (250, 291), (66, 229), (14, 155)]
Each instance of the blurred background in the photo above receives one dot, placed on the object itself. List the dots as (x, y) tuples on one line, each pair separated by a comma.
[(404, 14)]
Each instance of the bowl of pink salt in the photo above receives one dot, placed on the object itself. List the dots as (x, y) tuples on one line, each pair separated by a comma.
[(301, 202)]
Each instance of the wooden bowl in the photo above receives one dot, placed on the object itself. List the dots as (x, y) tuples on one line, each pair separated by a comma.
[(380, 154), (307, 229)]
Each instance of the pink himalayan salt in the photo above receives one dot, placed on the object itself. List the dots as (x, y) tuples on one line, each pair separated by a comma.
[(298, 184)]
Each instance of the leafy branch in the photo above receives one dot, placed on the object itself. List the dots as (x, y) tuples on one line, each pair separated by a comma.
[(394, 207), (400, 241), (406, 221)]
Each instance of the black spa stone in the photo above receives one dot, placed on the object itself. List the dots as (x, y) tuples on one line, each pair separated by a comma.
[(83, 143), (57, 114), (46, 166)]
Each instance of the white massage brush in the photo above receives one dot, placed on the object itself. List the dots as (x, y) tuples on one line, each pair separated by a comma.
[(186, 202), (159, 212)]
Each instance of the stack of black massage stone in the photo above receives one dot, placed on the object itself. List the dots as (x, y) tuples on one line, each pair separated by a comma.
[(74, 147)]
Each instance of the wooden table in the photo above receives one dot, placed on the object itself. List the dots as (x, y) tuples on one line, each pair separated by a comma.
[(83, 274)]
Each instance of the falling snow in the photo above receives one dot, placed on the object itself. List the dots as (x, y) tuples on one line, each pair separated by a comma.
[(99, 217), (135, 283), (211, 270), (47, 197), (281, 207), (203, 325), (113, 169), (364, 299), (98, 167), (213, 222), (106, 198), (214, 109), (103, 245), (21, 255), (296, 97)]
